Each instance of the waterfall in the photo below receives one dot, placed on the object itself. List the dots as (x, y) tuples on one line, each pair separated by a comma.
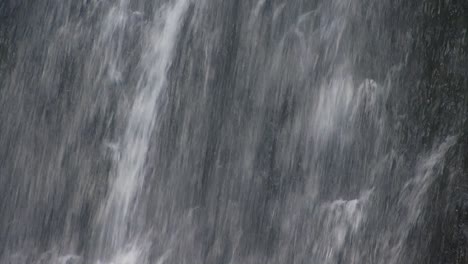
[(259, 131)]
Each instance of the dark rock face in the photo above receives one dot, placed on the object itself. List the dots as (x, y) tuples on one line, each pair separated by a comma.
[(443, 49), (267, 131)]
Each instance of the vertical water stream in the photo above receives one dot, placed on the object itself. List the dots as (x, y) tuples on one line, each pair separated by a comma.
[(118, 217)]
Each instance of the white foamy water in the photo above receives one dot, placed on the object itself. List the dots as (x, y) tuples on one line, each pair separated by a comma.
[(342, 220), (117, 214), (412, 200)]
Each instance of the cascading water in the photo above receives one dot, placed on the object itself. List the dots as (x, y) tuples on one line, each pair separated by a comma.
[(118, 217), (258, 131)]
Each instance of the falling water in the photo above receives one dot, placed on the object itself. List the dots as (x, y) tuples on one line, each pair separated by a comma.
[(259, 131), (118, 212)]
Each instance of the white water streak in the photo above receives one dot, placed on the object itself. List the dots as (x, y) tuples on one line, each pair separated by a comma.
[(130, 168)]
